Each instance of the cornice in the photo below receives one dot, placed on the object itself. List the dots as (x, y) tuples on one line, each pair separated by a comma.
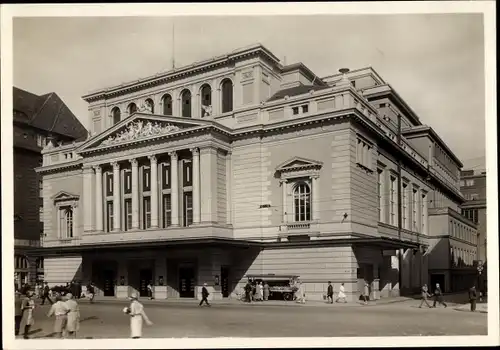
[(55, 168), (176, 74)]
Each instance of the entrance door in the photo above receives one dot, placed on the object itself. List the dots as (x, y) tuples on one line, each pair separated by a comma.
[(145, 277), (437, 278), (109, 283), (186, 282), (224, 281)]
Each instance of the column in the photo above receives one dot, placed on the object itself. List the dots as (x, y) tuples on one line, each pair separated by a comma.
[(154, 191), (174, 163), (196, 185), (98, 199), (87, 198), (116, 197), (135, 194), (229, 190), (283, 189), (315, 197), (216, 99)]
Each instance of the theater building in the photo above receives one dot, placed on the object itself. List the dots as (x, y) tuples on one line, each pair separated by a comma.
[(240, 166)]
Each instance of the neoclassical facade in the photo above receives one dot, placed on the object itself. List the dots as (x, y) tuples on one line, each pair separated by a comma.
[(239, 166)]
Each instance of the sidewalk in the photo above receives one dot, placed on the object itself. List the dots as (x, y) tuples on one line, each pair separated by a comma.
[(481, 308), (312, 303)]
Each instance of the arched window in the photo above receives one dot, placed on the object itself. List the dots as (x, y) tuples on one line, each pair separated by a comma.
[(116, 115), (132, 108), (302, 202), (66, 224), (227, 95), (206, 98), (151, 104), (186, 103), (167, 104)]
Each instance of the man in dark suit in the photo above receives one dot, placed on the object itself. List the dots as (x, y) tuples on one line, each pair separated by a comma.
[(438, 296), (472, 298), (204, 295), (248, 291), (45, 294), (329, 293), (18, 312)]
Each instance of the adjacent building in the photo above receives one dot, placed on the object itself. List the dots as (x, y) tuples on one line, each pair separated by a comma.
[(473, 187), (240, 166), (36, 119)]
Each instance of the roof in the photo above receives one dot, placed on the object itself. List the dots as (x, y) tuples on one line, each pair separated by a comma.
[(303, 68), (47, 112), (296, 90)]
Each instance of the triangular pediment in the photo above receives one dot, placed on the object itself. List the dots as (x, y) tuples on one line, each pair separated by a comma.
[(141, 126), (64, 196), (298, 163)]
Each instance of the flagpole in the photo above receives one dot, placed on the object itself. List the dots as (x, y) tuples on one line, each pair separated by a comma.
[(173, 45)]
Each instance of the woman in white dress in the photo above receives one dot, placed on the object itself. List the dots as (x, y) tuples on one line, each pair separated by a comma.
[(60, 310), (341, 294), (137, 314), (260, 289), (73, 323)]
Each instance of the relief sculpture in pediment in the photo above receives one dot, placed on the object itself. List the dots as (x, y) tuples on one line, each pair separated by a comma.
[(138, 129)]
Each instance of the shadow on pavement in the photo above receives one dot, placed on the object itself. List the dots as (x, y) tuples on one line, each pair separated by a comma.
[(89, 318)]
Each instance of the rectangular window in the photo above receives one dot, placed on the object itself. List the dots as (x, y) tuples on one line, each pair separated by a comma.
[(392, 201), (188, 208), (415, 210), (405, 206), (423, 214), (305, 109), (146, 179), (109, 184), (474, 197), (146, 217), (469, 182), (127, 182), (166, 176), (363, 154), (109, 216), (379, 193), (167, 211), (128, 214), (187, 172), (295, 110), (66, 222)]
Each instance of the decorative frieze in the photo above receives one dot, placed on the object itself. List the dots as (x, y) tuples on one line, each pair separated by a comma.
[(138, 129)]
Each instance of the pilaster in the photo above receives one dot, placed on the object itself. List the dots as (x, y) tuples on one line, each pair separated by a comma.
[(196, 185), (229, 189), (135, 194), (154, 191), (208, 162), (315, 197), (98, 199), (116, 197)]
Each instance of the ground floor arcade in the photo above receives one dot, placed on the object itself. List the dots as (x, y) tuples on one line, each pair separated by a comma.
[(180, 271)]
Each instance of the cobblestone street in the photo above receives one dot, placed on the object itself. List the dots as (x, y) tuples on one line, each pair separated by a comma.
[(106, 320)]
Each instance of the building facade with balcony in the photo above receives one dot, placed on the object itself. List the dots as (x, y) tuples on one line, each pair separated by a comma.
[(473, 187), (240, 166), (36, 119)]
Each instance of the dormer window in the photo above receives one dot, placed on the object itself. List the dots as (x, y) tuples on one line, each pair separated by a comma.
[(295, 110), (300, 109)]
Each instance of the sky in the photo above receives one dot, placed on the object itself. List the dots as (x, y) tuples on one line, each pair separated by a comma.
[(435, 61)]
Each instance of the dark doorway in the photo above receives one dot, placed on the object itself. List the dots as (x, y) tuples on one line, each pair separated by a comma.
[(437, 278), (145, 277), (109, 283), (186, 282), (224, 281)]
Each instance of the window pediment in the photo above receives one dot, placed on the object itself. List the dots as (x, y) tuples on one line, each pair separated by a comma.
[(64, 196), (298, 166)]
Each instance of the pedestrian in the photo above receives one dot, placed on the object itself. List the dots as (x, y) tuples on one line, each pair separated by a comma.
[(472, 298), (60, 310), (137, 315), (27, 307), (248, 291), (341, 294), (18, 312), (150, 291), (329, 293), (258, 292), (366, 293), (301, 294), (79, 289), (438, 296), (204, 295), (90, 292), (425, 294), (261, 291), (45, 294), (73, 322), (37, 290), (266, 291)]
